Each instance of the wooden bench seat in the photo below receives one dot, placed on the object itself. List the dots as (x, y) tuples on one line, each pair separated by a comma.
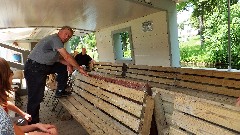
[(108, 68), (180, 113), (220, 88), (220, 82), (104, 106), (153, 75)]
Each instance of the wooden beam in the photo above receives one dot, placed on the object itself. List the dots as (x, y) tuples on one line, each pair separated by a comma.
[(159, 114), (147, 116)]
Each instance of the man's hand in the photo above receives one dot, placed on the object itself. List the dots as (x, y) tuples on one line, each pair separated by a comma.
[(70, 69), (82, 71)]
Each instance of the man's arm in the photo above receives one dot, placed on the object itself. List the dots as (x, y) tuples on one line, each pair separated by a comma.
[(69, 60), (91, 63)]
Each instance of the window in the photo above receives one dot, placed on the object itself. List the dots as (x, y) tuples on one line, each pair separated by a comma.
[(122, 45)]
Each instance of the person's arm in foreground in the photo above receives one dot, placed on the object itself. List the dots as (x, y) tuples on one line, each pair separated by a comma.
[(15, 109), (46, 129), (68, 59), (238, 102)]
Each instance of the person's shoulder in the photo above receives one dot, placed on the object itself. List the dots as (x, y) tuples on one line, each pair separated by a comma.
[(54, 36), (88, 56), (50, 37), (77, 55)]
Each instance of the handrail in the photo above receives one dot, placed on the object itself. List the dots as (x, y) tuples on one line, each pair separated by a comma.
[(24, 53)]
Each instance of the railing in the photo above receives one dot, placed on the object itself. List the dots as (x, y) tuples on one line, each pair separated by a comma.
[(23, 55)]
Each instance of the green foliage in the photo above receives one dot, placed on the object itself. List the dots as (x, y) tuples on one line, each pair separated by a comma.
[(87, 41), (215, 49), (126, 46), (216, 35), (181, 26), (203, 9), (191, 50), (74, 41)]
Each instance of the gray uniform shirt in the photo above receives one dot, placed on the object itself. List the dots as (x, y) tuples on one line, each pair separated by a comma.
[(45, 51)]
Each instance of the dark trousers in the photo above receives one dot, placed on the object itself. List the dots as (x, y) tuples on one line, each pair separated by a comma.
[(36, 75)]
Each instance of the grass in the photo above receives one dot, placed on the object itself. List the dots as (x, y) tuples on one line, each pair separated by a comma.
[(192, 41), (191, 50)]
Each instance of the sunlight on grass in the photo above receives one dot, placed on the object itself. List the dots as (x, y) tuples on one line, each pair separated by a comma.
[(191, 50), (192, 41)]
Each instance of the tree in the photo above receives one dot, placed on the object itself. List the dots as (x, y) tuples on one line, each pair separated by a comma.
[(74, 41), (216, 34), (202, 9), (89, 40)]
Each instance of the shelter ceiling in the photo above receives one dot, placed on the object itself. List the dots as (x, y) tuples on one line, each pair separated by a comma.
[(43, 17)]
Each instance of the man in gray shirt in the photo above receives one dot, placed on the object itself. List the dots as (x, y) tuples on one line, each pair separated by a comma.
[(47, 57)]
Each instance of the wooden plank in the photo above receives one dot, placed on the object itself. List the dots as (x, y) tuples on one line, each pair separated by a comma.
[(151, 78), (163, 69), (102, 71), (136, 80), (166, 95), (177, 131), (111, 68), (159, 114), (125, 118), (162, 74), (168, 107), (108, 121), (118, 69), (125, 104), (171, 92), (91, 118), (226, 74), (137, 71), (201, 72), (145, 67), (147, 116), (163, 80), (144, 77), (109, 71), (213, 89), (126, 92), (209, 80), (132, 76), (211, 112), (108, 64), (206, 95), (169, 119), (115, 88), (91, 128), (198, 126), (214, 73), (137, 85)]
